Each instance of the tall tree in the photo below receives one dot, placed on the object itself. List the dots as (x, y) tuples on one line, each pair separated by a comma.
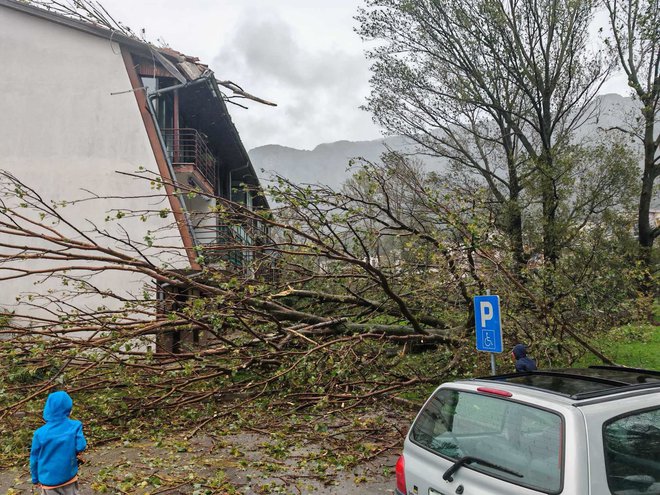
[(635, 29), (515, 75)]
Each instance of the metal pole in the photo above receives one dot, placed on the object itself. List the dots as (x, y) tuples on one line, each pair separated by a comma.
[(493, 369)]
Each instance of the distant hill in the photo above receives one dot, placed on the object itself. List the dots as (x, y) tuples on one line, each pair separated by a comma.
[(327, 163)]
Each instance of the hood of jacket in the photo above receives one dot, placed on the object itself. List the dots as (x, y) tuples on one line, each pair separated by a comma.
[(58, 406), (520, 351)]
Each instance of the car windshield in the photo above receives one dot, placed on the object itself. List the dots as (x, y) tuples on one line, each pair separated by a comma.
[(522, 439), (632, 453)]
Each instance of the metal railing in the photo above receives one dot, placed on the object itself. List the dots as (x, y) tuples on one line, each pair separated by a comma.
[(189, 147)]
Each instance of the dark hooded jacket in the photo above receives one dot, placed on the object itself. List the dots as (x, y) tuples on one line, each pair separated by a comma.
[(523, 363), (55, 445)]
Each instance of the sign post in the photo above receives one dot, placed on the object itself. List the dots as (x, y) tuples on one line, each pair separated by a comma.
[(488, 326)]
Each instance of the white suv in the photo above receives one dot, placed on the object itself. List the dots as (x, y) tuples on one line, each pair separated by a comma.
[(592, 431)]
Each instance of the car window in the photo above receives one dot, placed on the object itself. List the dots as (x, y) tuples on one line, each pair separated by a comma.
[(632, 453), (473, 416), (520, 438)]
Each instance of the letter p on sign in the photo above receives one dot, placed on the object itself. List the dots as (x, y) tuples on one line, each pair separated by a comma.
[(486, 310)]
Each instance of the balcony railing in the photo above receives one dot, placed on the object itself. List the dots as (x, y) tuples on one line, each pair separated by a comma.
[(187, 147)]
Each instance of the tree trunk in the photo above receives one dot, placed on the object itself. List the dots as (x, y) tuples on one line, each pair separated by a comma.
[(647, 232), (550, 205)]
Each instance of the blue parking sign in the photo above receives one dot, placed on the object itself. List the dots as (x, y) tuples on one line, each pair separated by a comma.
[(487, 323)]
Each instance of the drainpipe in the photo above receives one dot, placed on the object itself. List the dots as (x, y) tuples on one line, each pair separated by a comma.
[(169, 89)]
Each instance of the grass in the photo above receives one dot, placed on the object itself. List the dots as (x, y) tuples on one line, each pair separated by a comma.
[(634, 345)]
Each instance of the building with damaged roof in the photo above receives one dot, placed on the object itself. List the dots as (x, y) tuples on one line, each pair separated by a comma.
[(82, 102)]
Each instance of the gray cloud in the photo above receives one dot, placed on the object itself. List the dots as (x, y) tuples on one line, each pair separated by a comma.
[(318, 90)]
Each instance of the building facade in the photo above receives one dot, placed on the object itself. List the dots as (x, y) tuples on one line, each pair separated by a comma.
[(86, 109)]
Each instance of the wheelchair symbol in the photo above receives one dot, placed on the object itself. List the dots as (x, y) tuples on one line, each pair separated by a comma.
[(489, 339)]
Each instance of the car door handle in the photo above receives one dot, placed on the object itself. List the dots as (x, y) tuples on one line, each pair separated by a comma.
[(435, 492)]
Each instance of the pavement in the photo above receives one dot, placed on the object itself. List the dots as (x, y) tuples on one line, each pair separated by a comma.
[(249, 463)]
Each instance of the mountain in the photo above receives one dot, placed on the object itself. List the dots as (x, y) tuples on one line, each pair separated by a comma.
[(328, 163)]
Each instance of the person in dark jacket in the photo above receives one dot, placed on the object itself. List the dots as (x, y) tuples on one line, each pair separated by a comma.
[(523, 363), (55, 448)]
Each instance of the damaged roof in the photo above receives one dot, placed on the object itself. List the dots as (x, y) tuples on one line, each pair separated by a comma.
[(184, 68)]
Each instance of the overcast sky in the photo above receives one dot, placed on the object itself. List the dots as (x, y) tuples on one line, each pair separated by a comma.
[(301, 54)]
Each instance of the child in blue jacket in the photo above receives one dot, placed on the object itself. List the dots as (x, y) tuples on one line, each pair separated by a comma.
[(55, 447)]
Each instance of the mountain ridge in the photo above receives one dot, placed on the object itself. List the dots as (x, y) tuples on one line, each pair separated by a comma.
[(328, 163)]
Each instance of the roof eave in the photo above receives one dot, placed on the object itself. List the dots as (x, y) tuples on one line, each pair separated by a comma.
[(237, 138), (86, 27)]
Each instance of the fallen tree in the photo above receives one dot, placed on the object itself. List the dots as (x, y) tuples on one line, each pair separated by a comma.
[(335, 289)]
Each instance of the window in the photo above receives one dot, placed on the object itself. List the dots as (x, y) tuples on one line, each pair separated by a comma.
[(150, 84), (240, 193), (164, 105), (523, 441), (632, 453)]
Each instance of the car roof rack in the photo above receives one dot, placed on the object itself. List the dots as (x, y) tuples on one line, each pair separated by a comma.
[(584, 383)]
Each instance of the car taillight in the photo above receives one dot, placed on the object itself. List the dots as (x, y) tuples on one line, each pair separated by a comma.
[(401, 475), (494, 391)]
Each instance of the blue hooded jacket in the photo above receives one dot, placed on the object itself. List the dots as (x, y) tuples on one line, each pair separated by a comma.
[(55, 445), (523, 363)]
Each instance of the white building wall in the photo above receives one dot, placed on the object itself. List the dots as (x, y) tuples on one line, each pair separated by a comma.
[(62, 132)]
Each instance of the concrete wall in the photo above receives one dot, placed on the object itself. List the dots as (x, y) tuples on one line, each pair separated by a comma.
[(61, 131)]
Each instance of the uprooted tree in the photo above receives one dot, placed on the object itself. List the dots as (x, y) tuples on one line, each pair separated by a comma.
[(314, 304)]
